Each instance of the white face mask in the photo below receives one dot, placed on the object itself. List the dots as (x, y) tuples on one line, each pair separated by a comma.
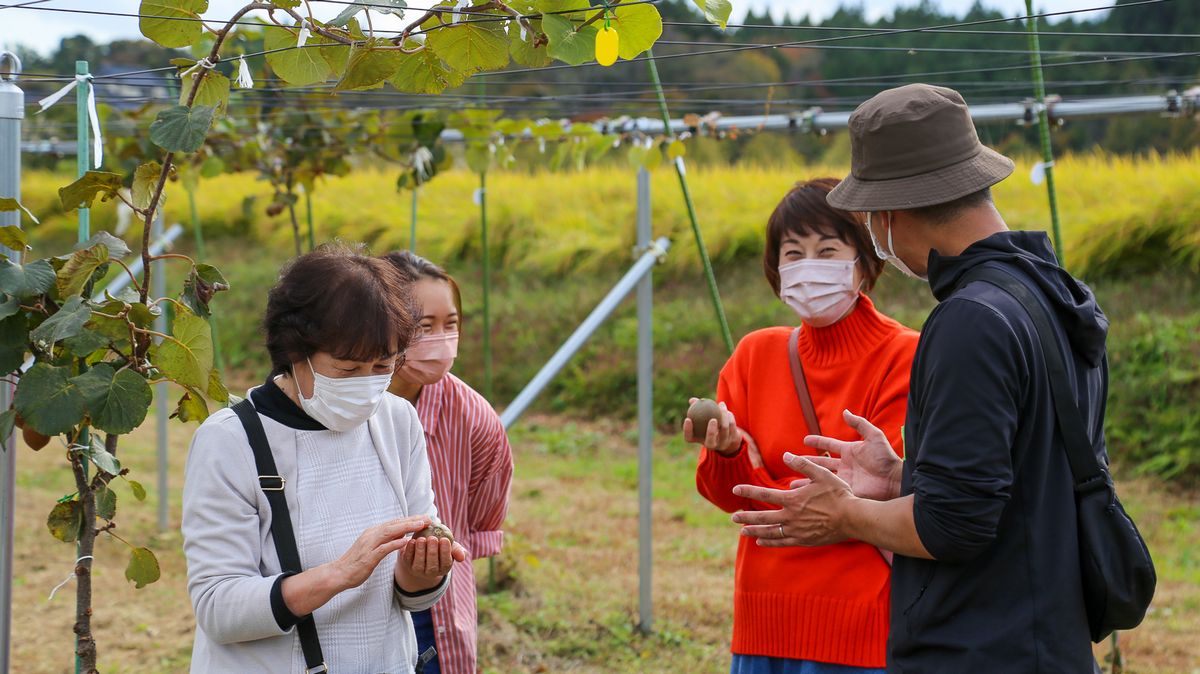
[(889, 254), (345, 403), (822, 292)]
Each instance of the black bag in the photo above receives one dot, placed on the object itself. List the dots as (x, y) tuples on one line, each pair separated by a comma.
[(1118, 573), (272, 484)]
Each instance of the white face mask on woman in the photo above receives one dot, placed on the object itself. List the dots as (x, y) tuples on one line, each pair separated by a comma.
[(430, 358), (344, 403), (822, 292)]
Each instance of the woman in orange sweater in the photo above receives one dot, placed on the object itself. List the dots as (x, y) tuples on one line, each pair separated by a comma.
[(824, 609)]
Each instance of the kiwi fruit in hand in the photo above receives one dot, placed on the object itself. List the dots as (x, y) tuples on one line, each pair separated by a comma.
[(701, 412), (435, 530)]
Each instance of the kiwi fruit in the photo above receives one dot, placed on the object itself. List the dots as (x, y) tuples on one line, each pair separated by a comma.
[(34, 439), (435, 531), (701, 412)]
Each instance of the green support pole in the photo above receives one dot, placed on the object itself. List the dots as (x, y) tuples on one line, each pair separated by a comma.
[(487, 307), (312, 237), (711, 278), (198, 233), (83, 163), (412, 230), (1039, 91)]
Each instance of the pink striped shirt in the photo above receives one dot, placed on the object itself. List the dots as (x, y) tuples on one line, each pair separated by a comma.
[(472, 469)]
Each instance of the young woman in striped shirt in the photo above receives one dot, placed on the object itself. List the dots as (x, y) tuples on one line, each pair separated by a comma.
[(469, 454)]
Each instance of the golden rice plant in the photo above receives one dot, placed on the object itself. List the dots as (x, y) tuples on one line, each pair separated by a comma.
[(1116, 212)]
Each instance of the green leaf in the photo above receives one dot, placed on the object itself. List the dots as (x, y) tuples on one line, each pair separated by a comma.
[(676, 149), (116, 401), (424, 73), (524, 53), (214, 92), (202, 283), (65, 520), (181, 129), (139, 492), (164, 21), (639, 26), (716, 11), (8, 419), (216, 388), (23, 281), (395, 7), (115, 245), (145, 179), (10, 204), (212, 167), (14, 238), (101, 457), (82, 193), (68, 321), (479, 157), (106, 503), (286, 4), (299, 67), (369, 67), (14, 334), (86, 343), (191, 408), (48, 401), (188, 358), (9, 307), (566, 44), (471, 46), (79, 267), (143, 567)]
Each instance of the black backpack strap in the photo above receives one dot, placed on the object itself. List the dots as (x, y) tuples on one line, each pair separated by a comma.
[(272, 484), (1086, 468)]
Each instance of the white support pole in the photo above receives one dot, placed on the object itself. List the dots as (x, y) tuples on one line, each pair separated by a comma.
[(645, 403), (12, 111), (160, 393)]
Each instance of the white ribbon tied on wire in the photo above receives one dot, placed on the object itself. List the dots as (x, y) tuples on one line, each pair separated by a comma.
[(93, 116), (1038, 174), (244, 81), (302, 38)]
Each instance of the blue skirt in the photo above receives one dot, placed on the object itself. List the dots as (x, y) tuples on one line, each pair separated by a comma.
[(761, 664)]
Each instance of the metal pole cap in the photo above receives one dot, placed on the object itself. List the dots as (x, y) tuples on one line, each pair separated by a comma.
[(12, 99)]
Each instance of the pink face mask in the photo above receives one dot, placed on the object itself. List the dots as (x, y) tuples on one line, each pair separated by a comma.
[(430, 358)]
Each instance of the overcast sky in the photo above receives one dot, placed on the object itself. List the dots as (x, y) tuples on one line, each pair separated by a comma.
[(42, 30)]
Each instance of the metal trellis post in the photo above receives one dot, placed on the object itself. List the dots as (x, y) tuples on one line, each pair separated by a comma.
[(487, 281), (161, 392), (83, 163), (645, 403), (12, 111)]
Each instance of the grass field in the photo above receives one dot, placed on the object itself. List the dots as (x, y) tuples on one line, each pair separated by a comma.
[(568, 576)]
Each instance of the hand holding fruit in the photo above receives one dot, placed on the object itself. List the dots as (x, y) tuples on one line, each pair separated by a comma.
[(712, 425)]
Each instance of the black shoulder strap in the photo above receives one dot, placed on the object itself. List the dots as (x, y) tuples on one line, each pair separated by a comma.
[(1086, 468), (272, 484)]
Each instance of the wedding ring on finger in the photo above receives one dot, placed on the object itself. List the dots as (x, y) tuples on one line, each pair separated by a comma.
[(781, 534)]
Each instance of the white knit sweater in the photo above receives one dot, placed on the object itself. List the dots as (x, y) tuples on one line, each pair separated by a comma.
[(338, 484)]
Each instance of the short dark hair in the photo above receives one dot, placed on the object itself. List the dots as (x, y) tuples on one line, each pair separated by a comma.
[(413, 268), (338, 300), (940, 214), (804, 211)]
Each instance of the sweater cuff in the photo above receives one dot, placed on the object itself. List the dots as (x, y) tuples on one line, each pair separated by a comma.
[(420, 593), (283, 615), (728, 457)]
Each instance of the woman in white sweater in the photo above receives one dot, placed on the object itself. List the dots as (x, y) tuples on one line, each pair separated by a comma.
[(351, 465)]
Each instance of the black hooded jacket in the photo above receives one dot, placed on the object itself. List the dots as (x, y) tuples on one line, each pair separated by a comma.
[(993, 498)]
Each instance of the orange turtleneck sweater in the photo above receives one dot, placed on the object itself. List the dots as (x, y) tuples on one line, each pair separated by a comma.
[(829, 603)]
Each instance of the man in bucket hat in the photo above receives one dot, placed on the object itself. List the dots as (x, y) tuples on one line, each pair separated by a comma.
[(981, 513)]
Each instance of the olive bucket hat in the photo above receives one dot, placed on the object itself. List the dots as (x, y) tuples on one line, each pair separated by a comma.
[(915, 146)]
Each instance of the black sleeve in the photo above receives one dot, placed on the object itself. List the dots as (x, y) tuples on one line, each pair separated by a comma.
[(969, 391), (420, 593), (283, 615)]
